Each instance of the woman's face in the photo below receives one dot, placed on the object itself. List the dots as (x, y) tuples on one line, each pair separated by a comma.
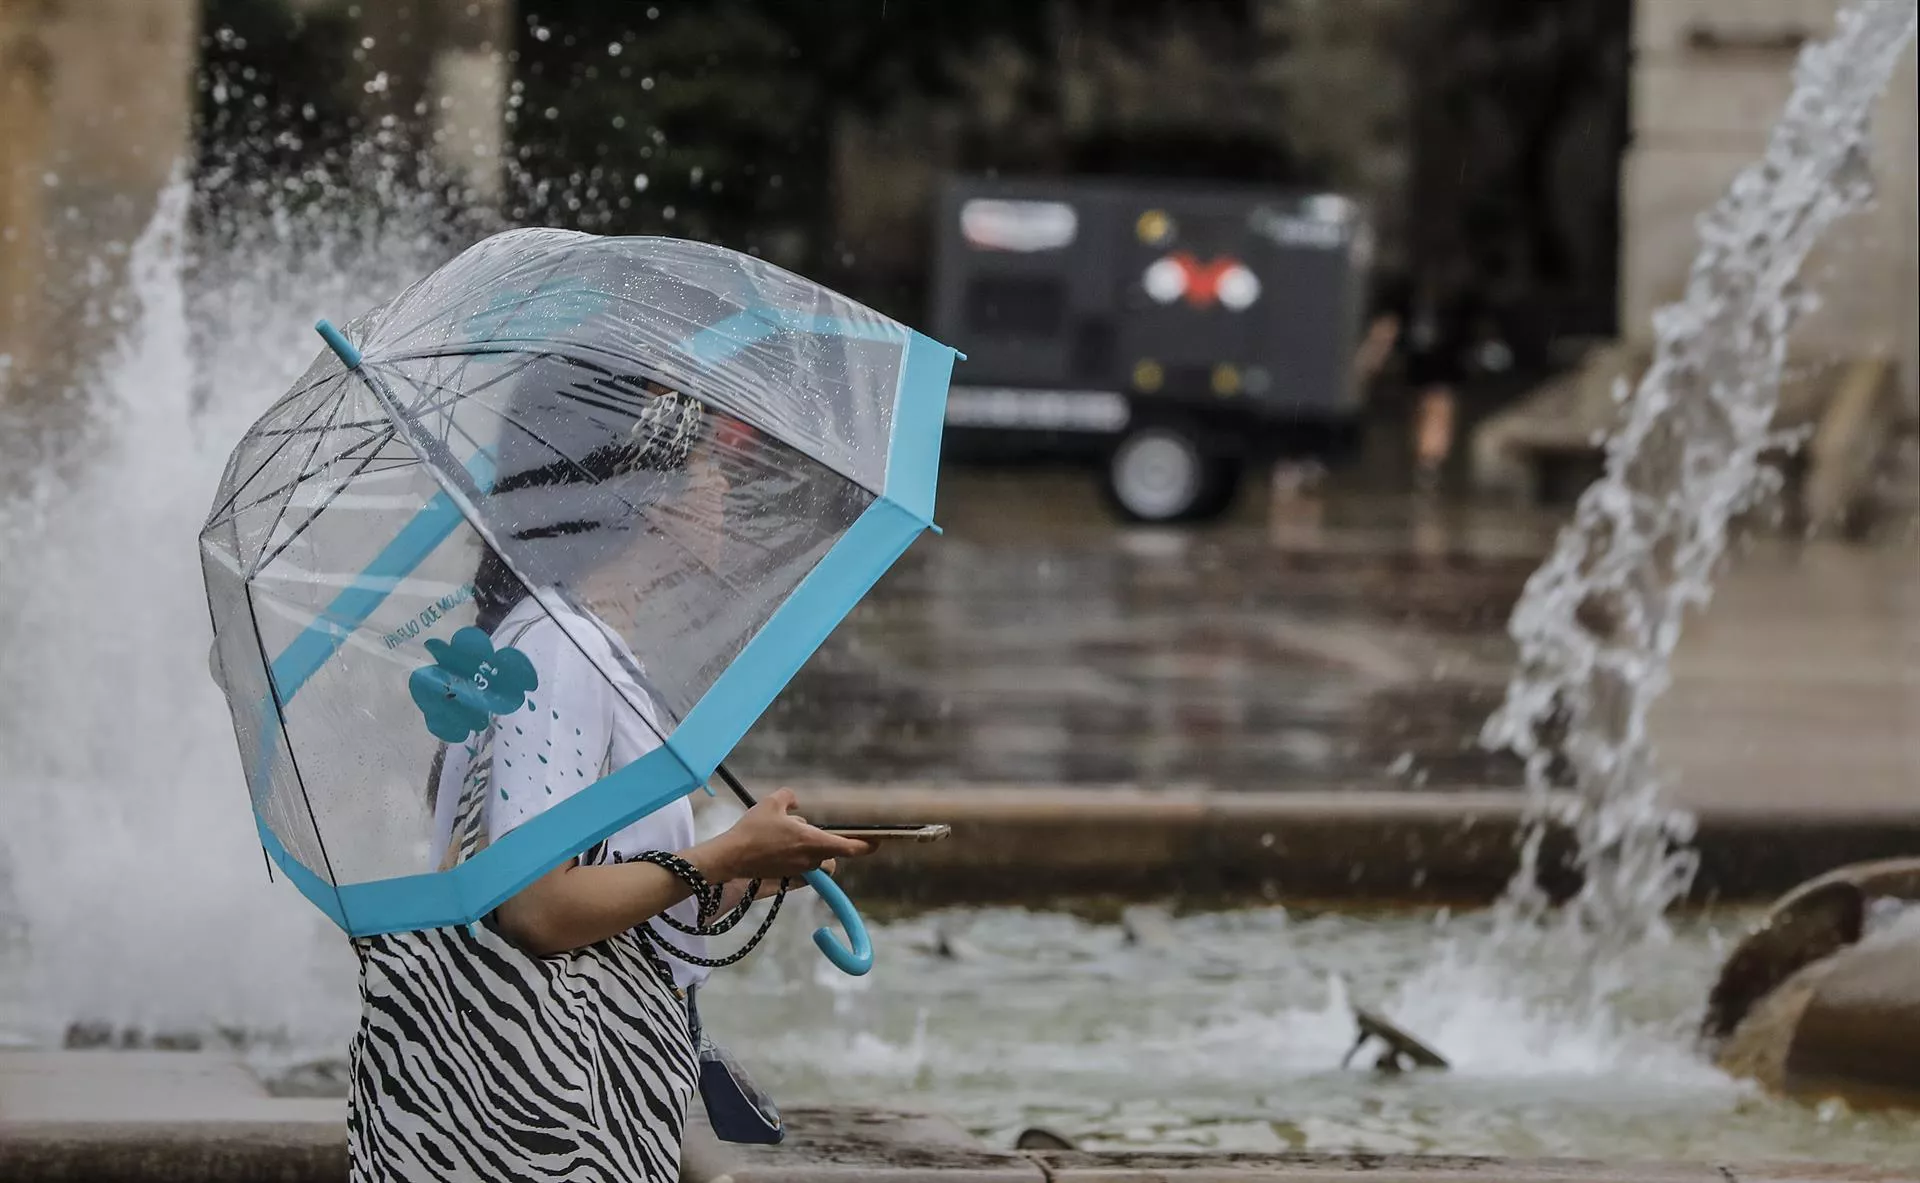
[(692, 521)]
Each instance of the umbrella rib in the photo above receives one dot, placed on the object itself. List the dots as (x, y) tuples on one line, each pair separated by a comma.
[(380, 441), (269, 458), (280, 720), (285, 431), (299, 390), (322, 507), (318, 439), (453, 394)]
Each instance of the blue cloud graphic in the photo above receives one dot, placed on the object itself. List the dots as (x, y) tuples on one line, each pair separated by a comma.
[(469, 683)]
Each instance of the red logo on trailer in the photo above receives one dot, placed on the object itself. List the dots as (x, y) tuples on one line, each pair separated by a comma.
[(1225, 280)]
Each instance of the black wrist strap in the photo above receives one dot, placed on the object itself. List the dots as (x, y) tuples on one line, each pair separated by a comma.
[(708, 897)]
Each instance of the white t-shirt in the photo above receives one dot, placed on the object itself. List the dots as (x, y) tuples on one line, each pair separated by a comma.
[(576, 728)]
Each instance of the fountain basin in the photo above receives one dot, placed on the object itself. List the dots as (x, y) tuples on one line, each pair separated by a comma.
[(1142, 1030), (1165, 1046)]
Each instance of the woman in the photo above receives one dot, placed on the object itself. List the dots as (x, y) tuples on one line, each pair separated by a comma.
[(551, 1041)]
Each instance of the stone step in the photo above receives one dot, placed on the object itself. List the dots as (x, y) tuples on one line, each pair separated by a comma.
[(858, 1145), (144, 1087), (111, 1121), (1017, 844)]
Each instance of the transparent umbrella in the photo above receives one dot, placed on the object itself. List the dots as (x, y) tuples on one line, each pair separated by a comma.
[(702, 456)]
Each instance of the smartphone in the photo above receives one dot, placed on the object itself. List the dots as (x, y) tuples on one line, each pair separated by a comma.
[(891, 833)]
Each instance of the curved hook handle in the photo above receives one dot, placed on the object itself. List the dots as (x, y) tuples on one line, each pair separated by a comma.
[(856, 956)]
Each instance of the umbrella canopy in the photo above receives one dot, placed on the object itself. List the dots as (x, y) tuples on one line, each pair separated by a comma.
[(701, 454)]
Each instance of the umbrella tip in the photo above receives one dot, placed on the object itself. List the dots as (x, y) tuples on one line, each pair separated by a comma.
[(935, 527), (337, 341)]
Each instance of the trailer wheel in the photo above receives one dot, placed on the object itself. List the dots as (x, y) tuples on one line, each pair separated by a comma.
[(1162, 474)]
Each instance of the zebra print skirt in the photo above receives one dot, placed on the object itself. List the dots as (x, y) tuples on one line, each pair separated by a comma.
[(478, 1063)]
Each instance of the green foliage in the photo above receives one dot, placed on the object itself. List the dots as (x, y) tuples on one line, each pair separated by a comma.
[(714, 120)]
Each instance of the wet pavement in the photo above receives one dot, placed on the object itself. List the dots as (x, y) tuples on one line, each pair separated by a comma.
[(1355, 643)]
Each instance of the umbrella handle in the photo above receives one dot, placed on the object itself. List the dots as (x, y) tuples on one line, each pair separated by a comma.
[(856, 956)]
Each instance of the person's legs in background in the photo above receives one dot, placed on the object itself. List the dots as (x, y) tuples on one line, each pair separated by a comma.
[(1433, 429)]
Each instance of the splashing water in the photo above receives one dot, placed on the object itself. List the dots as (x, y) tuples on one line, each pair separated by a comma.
[(1598, 622), (132, 890)]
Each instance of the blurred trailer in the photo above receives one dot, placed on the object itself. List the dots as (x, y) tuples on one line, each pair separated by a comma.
[(1174, 333)]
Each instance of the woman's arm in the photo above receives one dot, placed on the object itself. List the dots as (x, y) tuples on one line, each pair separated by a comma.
[(573, 906)]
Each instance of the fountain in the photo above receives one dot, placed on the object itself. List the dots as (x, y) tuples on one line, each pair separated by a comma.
[(127, 841), (1597, 624)]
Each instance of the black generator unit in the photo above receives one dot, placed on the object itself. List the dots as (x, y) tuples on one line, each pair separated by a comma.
[(1177, 332)]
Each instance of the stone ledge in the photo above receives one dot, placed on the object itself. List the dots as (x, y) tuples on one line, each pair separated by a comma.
[(1021, 845), (853, 1145), (1304, 1168), (857, 1145), (173, 1152), (825, 1145), (1081, 1167), (145, 1089)]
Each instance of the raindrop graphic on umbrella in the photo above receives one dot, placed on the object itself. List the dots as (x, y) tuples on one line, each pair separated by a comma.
[(694, 462)]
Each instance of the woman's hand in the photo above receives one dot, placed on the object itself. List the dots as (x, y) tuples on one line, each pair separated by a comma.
[(771, 842)]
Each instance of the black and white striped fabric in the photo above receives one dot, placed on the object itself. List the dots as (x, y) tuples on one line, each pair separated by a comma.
[(477, 1063)]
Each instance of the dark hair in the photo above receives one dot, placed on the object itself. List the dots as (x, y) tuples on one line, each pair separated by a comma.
[(495, 590)]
